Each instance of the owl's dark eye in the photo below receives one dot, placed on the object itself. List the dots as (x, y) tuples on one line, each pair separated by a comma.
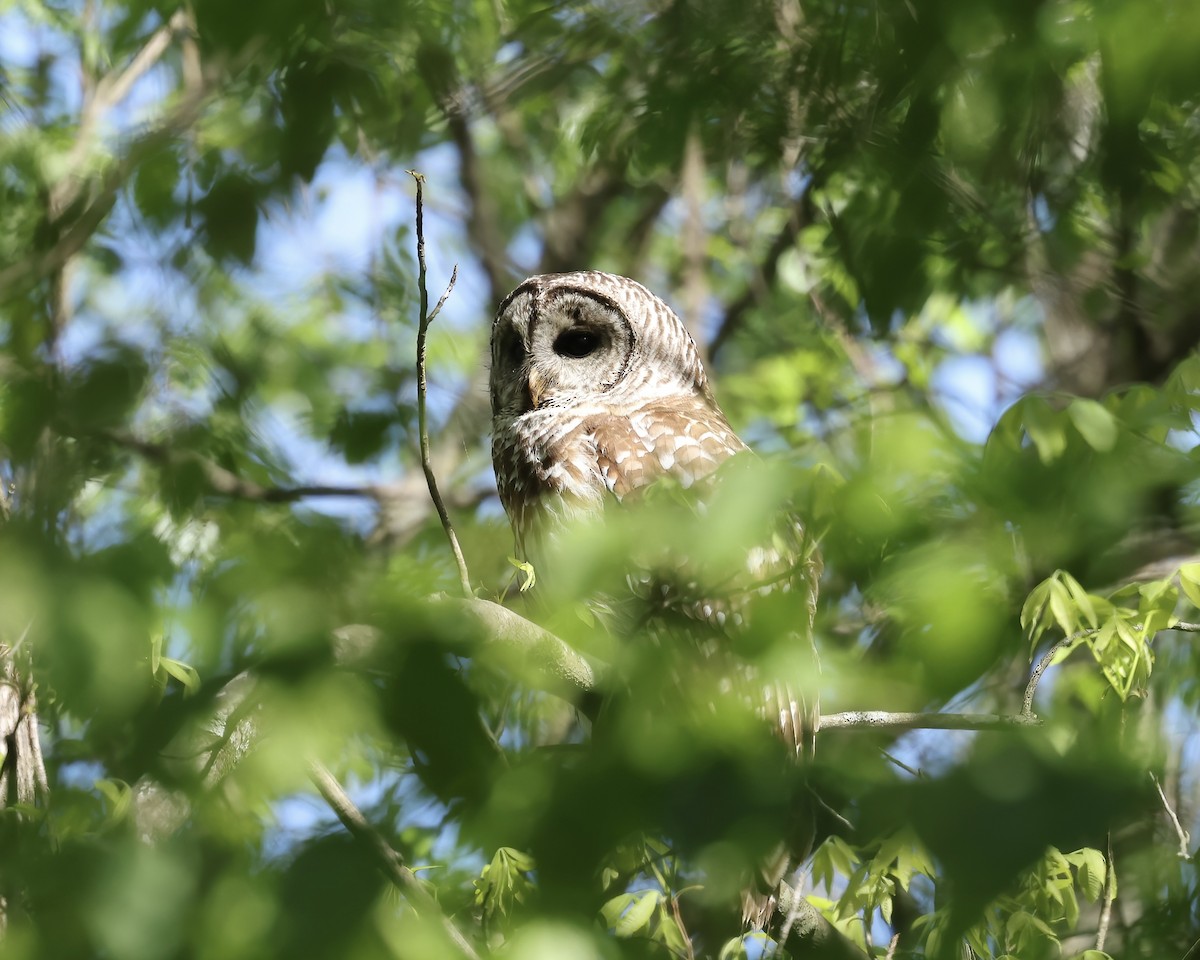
[(576, 343)]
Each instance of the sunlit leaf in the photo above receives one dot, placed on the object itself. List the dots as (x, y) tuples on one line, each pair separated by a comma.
[(1095, 423)]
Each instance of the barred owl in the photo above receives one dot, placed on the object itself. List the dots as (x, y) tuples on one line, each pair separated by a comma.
[(598, 391)]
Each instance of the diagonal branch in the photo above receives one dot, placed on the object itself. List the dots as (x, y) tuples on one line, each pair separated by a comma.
[(389, 860), (40, 263), (1184, 838), (109, 91)]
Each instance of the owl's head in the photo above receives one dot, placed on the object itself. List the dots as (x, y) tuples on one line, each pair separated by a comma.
[(565, 339)]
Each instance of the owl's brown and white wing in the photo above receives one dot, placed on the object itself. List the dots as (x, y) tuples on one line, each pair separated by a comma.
[(688, 442), (684, 439)]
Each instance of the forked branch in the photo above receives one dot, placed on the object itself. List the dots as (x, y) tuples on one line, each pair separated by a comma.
[(424, 321)]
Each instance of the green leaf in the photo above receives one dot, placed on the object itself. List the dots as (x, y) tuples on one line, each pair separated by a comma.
[(613, 909), (182, 672), (119, 796), (230, 215), (503, 882), (527, 569), (1032, 619), (734, 949), (1128, 637), (1045, 429), (1189, 579), (1095, 424), (1082, 599), (833, 857), (155, 652), (1090, 869), (630, 912), (1062, 608)]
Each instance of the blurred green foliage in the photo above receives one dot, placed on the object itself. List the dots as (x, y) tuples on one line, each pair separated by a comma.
[(943, 260)]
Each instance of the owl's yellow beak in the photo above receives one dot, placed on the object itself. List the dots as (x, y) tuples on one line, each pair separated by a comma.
[(537, 389)]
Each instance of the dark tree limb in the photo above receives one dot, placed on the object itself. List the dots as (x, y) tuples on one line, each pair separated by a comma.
[(482, 227), (228, 484), (768, 269)]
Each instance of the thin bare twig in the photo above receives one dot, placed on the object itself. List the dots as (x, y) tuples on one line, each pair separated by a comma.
[(1183, 626), (426, 319), (1185, 840), (1042, 665), (911, 771), (1110, 892), (677, 914), (389, 859)]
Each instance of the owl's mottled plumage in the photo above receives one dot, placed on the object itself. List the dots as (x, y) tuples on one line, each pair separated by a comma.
[(597, 391), (570, 431)]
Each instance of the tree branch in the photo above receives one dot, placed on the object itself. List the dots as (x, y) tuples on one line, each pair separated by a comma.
[(390, 861), (482, 228), (40, 263), (1185, 840), (424, 321), (1043, 664), (109, 91), (229, 484), (1035, 677), (782, 242), (809, 934), (1110, 891), (884, 720), (559, 668)]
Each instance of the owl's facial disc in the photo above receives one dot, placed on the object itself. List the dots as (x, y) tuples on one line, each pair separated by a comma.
[(580, 343)]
